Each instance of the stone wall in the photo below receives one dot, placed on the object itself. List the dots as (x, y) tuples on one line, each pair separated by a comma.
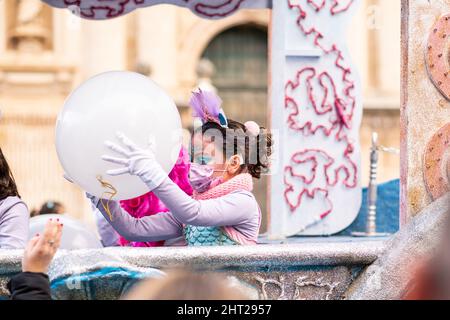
[(425, 107), (312, 269)]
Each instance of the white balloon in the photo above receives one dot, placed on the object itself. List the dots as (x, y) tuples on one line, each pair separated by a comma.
[(75, 235), (109, 102)]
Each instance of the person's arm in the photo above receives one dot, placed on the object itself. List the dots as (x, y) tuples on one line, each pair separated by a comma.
[(230, 210), (158, 227), (14, 227), (33, 282), (108, 235), (29, 286)]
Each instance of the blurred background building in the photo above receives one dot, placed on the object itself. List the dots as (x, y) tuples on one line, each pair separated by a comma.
[(45, 53)]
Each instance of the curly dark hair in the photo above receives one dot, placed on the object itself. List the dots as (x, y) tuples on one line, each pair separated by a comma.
[(235, 140), (8, 186)]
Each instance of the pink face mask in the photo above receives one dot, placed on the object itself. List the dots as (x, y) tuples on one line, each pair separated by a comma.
[(201, 177)]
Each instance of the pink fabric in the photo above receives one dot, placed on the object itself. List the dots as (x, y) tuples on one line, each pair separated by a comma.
[(149, 204), (240, 182)]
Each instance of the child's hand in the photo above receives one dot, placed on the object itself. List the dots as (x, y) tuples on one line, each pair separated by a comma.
[(136, 161), (41, 248)]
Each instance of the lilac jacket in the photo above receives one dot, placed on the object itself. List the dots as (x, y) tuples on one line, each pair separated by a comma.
[(14, 217), (239, 210)]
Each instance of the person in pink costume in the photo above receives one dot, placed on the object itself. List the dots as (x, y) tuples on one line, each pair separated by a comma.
[(147, 205)]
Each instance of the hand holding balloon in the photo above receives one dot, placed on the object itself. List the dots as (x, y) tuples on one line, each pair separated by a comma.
[(135, 161)]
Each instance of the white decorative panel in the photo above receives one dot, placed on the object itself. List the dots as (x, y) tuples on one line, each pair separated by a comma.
[(317, 109)]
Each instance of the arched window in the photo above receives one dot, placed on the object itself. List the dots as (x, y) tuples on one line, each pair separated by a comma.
[(240, 58)]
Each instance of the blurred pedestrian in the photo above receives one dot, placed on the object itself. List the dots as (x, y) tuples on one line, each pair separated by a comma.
[(33, 282), (14, 213), (185, 285), (52, 207)]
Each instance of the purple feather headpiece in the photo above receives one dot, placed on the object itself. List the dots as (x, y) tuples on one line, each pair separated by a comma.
[(206, 105)]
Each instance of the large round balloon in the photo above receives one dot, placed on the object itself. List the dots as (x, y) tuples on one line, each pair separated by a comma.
[(95, 111), (75, 235)]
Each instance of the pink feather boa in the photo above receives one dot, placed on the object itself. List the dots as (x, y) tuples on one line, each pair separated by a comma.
[(148, 204)]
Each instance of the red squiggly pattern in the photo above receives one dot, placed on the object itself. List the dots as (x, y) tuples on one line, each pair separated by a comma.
[(113, 8), (116, 8), (338, 106), (220, 10), (336, 7)]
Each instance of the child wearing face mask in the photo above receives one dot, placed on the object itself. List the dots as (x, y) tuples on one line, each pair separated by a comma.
[(226, 156)]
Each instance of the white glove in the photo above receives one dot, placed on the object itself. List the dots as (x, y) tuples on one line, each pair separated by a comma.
[(136, 161)]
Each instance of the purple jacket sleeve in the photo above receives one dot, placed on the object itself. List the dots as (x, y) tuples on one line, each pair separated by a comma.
[(108, 236), (233, 209), (238, 209), (14, 227), (161, 226)]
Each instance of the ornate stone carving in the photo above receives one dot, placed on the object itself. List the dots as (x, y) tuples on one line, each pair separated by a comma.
[(305, 284)]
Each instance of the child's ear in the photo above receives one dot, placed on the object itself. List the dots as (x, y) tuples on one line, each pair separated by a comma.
[(234, 165)]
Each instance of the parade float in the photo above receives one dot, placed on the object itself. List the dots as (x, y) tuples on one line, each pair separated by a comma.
[(325, 238)]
